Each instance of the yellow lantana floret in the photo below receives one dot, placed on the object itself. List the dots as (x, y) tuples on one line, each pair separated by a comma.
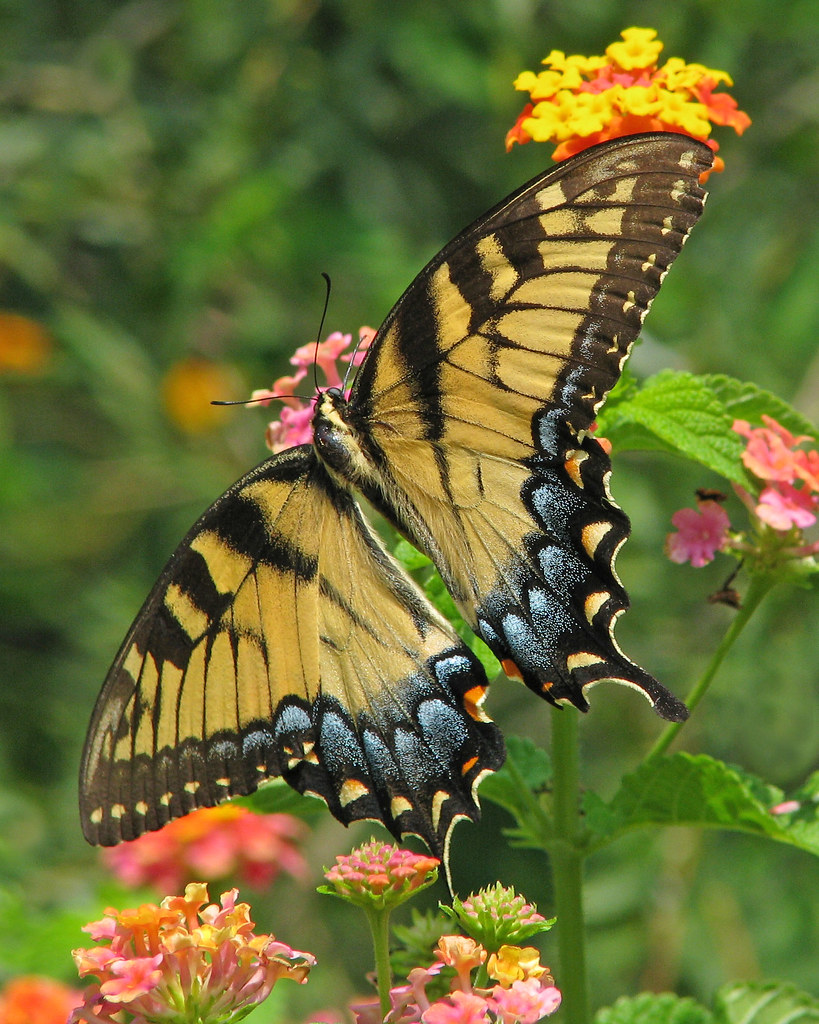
[(549, 122), (591, 112), (641, 100), (691, 117), (513, 963), (586, 66), (679, 75), (640, 49)]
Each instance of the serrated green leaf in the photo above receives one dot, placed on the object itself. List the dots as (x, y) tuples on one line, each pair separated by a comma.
[(687, 789), (681, 414), (746, 401), (651, 1008), (772, 1002)]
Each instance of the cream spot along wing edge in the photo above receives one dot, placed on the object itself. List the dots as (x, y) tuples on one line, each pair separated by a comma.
[(482, 384), (282, 639)]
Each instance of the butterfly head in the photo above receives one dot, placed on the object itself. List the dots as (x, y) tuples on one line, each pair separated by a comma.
[(336, 440)]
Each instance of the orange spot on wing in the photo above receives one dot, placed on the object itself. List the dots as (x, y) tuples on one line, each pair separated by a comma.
[(511, 669), (572, 467), (467, 766), (473, 699)]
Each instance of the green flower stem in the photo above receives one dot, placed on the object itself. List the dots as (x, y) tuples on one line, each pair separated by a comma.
[(379, 921), (759, 586), (567, 854)]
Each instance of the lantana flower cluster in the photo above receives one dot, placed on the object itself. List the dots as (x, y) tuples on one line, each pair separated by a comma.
[(497, 915), (519, 989), (380, 875), (213, 843), (186, 961), (294, 425), (579, 101), (787, 502)]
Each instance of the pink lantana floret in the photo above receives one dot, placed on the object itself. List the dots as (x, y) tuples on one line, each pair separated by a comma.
[(702, 531), (768, 453), (132, 978), (458, 1008), (293, 427), (786, 807), (785, 506), (524, 1002), (325, 355)]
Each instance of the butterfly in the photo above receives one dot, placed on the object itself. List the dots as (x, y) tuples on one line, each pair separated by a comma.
[(282, 638)]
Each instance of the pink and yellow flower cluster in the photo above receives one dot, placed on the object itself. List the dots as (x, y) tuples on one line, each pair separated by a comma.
[(787, 501), (184, 960), (523, 991), (579, 101)]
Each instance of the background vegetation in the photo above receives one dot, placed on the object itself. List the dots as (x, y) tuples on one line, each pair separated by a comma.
[(174, 176)]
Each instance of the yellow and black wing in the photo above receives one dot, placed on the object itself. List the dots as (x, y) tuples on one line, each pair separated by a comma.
[(281, 639), (476, 399)]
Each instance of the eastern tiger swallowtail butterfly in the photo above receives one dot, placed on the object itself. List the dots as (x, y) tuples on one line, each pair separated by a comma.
[(282, 639)]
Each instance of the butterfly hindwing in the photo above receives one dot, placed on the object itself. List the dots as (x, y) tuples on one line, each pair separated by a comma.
[(484, 381), (282, 639)]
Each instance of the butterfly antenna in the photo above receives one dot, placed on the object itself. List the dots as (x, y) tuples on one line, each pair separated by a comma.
[(329, 287), (352, 362), (247, 401), (269, 398)]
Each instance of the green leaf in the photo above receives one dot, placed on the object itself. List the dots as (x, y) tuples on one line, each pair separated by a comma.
[(276, 797), (770, 1002), (746, 401), (651, 1008), (518, 787), (681, 414), (688, 789)]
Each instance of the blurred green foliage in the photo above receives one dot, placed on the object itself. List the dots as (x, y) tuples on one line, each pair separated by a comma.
[(174, 176)]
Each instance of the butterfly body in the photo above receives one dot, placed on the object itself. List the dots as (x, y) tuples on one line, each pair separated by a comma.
[(283, 639)]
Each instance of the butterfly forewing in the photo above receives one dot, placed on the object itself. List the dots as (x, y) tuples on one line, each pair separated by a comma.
[(281, 639), (484, 381)]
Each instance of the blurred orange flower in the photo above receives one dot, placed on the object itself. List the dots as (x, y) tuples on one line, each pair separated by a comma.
[(190, 386), (33, 999), (25, 345)]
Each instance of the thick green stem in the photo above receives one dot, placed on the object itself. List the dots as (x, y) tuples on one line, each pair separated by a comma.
[(567, 855), (379, 921), (758, 588)]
